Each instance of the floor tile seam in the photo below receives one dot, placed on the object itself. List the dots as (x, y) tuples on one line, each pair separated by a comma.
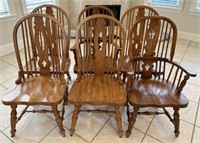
[(3, 86), (153, 138), (186, 52), (74, 132), (9, 79), (101, 129), (180, 120), (6, 129), (17, 121), (192, 100), (80, 137), (193, 84), (148, 127), (28, 113), (196, 62), (193, 124), (171, 114), (8, 137), (46, 135), (184, 120), (9, 64), (198, 106), (65, 136), (187, 48), (197, 127), (189, 60), (66, 118)]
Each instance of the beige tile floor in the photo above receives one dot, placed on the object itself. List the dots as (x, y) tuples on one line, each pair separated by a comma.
[(101, 128)]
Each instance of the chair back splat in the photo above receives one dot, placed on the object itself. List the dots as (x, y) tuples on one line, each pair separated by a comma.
[(61, 16), (130, 17), (153, 36)]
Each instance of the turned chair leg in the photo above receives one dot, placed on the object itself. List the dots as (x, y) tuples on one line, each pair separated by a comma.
[(176, 122), (132, 122), (13, 120), (74, 118), (119, 121), (58, 120)]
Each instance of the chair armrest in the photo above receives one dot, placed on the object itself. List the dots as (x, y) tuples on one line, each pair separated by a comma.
[(188, 71)]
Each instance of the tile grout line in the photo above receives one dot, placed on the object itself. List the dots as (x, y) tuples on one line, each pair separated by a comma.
[(185, 51), (7, 137), (8, 80), (198, 106), (10, 64), (148, 128), (74, 132), (152, 137), (47, 134), (101, 129)]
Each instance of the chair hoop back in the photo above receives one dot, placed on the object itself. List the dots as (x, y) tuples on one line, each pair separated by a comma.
[(44, 46)]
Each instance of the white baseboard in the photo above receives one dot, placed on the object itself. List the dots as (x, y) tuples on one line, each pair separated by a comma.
[(8, 48), (189, 36), (5, 49)]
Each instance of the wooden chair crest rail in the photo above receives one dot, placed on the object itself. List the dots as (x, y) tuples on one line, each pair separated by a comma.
[(41, 81), (87, 11), (98, 67), (145, 89), (59, 14)]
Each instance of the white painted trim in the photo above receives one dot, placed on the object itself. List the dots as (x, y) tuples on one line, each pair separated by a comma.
[(189, 36), (193, 10), (8, 48), (5, 49), (8, 18), (176, 9)]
